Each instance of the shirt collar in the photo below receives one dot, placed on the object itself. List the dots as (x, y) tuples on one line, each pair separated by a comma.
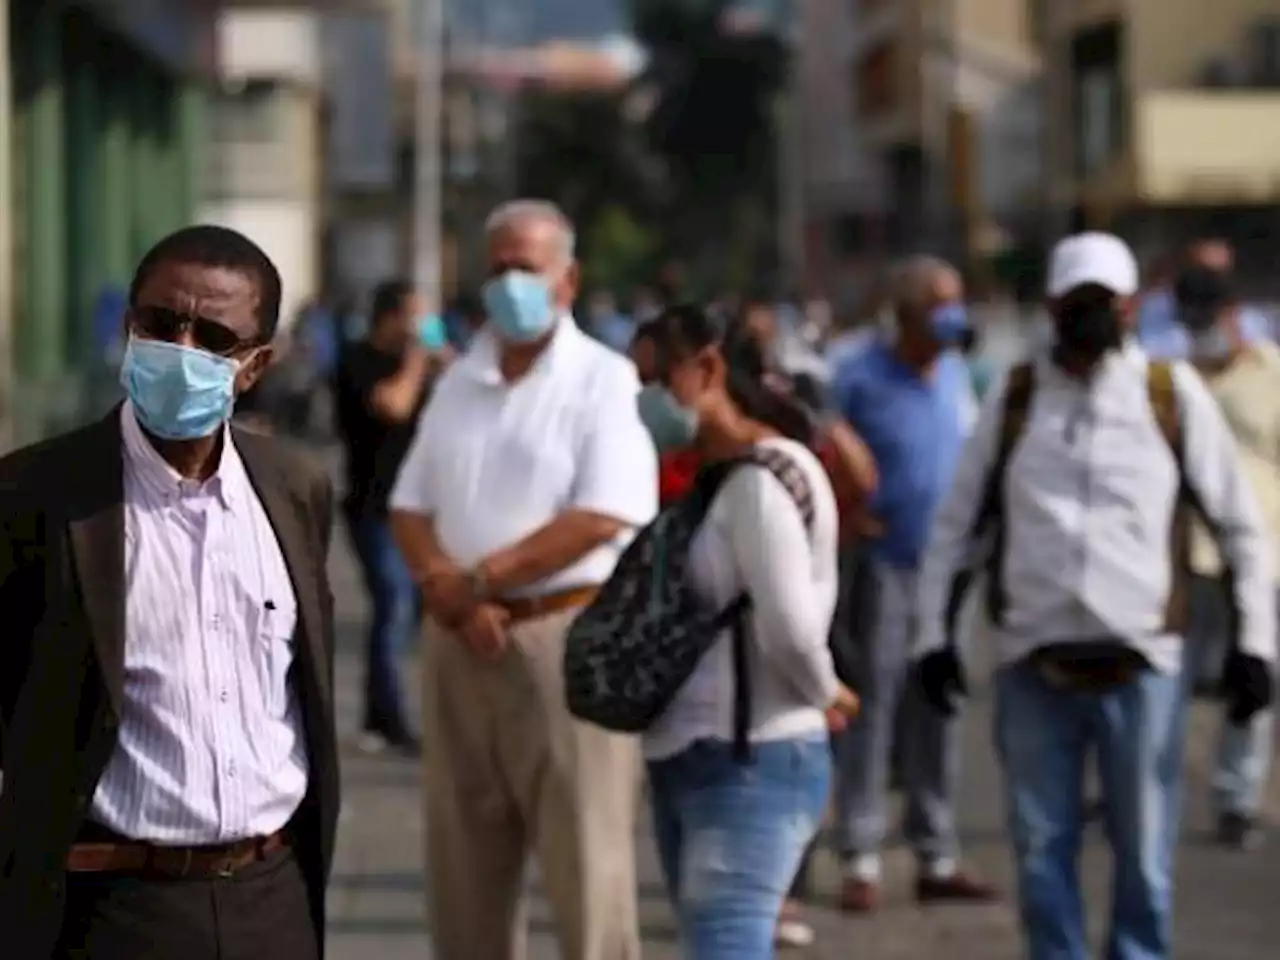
[(153, 471), (481, 361)]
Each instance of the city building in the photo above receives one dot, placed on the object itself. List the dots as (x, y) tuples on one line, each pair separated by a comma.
[(265, 146), (101, 140), (948, 105), (1165, 120)]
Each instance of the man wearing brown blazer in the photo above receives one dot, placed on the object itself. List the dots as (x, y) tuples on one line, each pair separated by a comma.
[(166, 649)]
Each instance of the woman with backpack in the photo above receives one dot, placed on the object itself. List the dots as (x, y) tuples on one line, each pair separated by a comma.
[(731, 829)]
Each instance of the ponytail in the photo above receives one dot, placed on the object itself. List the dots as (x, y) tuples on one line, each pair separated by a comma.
[(747, 386)]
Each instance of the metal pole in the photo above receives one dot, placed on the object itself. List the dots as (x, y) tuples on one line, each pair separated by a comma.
[(428, 162)]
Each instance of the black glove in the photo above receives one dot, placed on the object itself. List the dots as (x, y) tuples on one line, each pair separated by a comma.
[(941, 679), (1247, 687)]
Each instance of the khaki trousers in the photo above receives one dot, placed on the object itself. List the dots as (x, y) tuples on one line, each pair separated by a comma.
[(509, 771)]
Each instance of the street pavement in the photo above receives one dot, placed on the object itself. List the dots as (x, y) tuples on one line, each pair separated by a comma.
[(1226, 901)]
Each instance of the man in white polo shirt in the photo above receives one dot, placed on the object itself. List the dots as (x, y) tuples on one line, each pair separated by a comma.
[(529, 472), (1082, 501)]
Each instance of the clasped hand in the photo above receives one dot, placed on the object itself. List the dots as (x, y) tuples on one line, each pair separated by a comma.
[(450, 598)]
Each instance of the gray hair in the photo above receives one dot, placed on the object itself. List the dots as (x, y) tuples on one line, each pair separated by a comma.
[(913, 280), (515, 211)]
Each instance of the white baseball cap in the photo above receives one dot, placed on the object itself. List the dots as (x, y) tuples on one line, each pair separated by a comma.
[(1092, 258)]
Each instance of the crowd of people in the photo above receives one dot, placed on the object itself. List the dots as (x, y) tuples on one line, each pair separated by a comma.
[(713, 547)]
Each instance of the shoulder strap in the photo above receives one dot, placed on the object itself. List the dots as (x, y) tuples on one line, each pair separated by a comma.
[(791, 475), (1018, 393), (1163, 396)]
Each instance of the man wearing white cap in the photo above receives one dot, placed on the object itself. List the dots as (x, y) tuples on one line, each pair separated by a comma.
[(1076, 474)]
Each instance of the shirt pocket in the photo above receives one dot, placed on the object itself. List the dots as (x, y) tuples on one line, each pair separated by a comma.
[(274, 645)]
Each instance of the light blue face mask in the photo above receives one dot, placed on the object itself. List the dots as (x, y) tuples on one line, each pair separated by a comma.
[(431, 332), (949, 323), (177, 392), (671, 425), (519, 305)]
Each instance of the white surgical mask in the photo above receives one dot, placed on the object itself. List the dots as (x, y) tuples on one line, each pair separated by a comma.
[(1212, 344)]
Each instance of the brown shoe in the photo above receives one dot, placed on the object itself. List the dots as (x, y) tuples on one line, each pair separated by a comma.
[(859, 896), (960, 887)]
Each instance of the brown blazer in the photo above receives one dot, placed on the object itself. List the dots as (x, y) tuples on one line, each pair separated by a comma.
[(62, 634)]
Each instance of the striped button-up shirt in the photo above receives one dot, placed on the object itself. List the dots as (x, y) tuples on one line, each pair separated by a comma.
[(211, 745)]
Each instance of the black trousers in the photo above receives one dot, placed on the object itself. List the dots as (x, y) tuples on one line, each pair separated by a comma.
[(261, 913)]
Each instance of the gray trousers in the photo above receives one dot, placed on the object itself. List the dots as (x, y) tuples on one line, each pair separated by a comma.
[(930, 747)]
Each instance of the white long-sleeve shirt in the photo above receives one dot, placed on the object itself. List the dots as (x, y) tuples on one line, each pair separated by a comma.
[(1090, 491), (754, 539)]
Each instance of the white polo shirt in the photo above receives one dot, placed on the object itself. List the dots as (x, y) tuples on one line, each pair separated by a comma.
[(494, 461)]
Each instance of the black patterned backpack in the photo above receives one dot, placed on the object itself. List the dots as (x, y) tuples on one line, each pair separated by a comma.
[(628, 654)]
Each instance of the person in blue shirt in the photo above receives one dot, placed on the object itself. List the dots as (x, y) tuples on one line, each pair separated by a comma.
[(1162, 336), (909, 396)]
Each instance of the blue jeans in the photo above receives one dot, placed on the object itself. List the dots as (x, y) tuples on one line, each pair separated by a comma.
[(394, 598), (1244, 753), (1044, 736), (730, 837)]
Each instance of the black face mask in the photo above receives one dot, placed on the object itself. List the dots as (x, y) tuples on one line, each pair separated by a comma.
[(1089, 330)]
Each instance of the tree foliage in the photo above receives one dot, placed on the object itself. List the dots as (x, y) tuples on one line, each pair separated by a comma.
[(580, 150), (713, 120)]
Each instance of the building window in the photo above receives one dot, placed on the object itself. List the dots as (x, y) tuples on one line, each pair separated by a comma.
[(1098, 94), (876, 81)]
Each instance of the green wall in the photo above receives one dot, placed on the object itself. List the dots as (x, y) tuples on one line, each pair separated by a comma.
[(107, 148)]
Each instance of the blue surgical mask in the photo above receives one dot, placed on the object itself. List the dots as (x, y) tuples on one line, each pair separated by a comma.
[(669, 423), (177, 392), (431, 332), (949, 323), (519, 305)]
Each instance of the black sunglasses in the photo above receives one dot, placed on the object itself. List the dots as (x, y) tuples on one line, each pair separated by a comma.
[(161, 323)]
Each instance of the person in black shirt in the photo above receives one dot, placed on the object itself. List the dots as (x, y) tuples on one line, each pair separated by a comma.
[(382, 385)]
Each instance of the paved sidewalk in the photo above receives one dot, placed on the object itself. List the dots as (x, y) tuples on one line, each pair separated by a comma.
[(1226, 904)]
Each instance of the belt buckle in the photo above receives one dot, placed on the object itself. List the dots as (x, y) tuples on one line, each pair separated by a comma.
[(188, 861)]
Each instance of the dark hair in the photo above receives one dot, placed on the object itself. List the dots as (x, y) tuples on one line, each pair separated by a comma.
[(388, 297), (681, 331), (206, 245), (1204, 287)]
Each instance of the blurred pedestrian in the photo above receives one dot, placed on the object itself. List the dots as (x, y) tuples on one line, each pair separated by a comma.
[(168, 745), (382, 386), (911, 402), (607, 323), (529, 472), (1242, 376), (1075, 474), (1158, 330)]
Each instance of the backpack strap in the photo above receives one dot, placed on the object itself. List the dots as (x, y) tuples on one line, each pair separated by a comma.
[(1162, 394), (792, 476), (1018, 394)]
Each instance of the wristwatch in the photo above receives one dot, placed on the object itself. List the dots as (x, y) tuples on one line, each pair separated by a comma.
[(479, 584)]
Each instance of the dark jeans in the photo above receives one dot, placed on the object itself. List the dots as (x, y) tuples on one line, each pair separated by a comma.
[(394, 598), (261, 912)]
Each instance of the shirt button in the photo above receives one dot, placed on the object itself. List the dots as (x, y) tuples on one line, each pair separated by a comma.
[(224, 696)]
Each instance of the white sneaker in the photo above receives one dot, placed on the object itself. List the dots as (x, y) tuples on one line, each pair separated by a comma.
[(793, 934)]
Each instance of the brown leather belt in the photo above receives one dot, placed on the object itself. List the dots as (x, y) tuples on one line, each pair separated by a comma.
[(531, 608), (222, 860)]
